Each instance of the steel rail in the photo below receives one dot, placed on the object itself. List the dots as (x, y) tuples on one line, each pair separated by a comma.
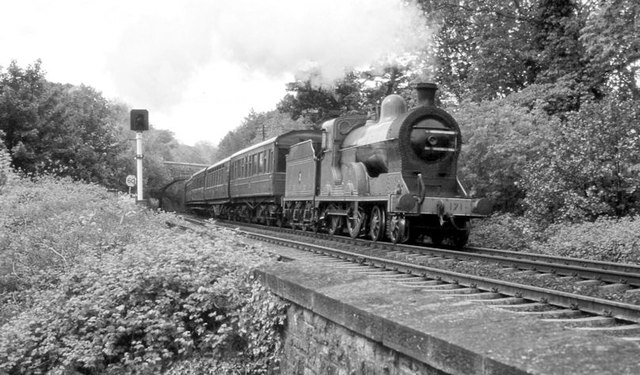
[(620, 267), (608, 272), (587, 304), (548, 264), (587, 269)]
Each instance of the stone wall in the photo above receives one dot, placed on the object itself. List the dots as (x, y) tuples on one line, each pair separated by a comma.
[(315, 345)]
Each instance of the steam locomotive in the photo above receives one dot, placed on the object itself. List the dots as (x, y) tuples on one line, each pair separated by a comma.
[(394, 178)]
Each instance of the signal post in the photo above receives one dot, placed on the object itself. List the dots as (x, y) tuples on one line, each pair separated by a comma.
[(139, 123)]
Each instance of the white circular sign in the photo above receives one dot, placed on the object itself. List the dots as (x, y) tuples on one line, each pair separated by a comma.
[(131, 180)]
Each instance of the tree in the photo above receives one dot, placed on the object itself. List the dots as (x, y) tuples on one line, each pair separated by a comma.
[(612, 40), (482, 47), (256, 128), (500, 138), (315, 104), (358, 92), (77, 137), (590, 167), (20, 93), (490, 49), (55, 128)]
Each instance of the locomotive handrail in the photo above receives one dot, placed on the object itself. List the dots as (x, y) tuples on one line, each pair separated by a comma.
[(444, 149), (435, 131), (422, 190)]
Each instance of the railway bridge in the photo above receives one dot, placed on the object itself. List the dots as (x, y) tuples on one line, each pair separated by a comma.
[(182, 171)]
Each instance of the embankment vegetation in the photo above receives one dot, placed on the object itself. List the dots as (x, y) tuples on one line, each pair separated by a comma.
[(92, 283)]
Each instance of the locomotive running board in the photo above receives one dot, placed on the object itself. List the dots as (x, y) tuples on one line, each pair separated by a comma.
[(409, 205)]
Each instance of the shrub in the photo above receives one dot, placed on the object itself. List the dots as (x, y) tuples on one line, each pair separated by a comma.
[(500, 138), (606, 239), (589, 167), (503, 231), (103, 286)]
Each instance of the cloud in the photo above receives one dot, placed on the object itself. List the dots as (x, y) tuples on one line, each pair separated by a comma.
[(159, 54), (329, 36)]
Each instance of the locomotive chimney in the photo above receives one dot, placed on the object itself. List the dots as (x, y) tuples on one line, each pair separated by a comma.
[(426, 94)]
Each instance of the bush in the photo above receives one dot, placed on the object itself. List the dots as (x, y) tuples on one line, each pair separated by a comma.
[(589, 168), (100, 285), (503, 231), (606, 239), (499, 139)]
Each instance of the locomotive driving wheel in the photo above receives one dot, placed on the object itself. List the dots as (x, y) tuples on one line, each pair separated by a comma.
[(398, 229), (436, 238), (335, 224), (279, 220), (354, 221), (315, 220), (377, 224), (461, 235), (296, 218)]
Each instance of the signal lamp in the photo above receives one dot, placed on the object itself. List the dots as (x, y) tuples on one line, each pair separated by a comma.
[(139, 120)]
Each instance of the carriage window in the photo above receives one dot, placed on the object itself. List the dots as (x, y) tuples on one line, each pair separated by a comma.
[(282, 159), (261, 162), (255, 164)]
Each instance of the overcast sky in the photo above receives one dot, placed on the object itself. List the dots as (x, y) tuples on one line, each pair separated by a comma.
[(200, 66)]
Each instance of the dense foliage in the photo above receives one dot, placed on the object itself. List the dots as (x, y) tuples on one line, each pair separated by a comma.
[(589, 167), (606, 239), (91, 283)]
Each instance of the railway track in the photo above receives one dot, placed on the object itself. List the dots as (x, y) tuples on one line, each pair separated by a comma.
[(608, 274), (438, 270)]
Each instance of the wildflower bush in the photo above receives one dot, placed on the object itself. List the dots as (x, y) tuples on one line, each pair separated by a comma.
[(91, 283)]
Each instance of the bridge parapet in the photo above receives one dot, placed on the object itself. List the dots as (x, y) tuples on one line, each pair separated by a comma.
[(179, 170)]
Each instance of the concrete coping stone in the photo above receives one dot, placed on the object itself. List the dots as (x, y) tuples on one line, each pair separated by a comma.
[(452, 334)]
